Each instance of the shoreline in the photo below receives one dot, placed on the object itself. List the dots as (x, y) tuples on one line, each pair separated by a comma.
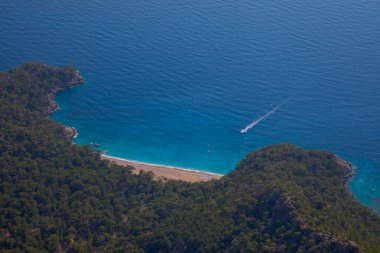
[(165, 171), (70, 132), (53, 106)]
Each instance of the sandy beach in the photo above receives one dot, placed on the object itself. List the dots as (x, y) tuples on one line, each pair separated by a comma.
[(168, 172)]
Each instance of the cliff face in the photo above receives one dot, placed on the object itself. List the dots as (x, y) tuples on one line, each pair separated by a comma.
[(56, 196)]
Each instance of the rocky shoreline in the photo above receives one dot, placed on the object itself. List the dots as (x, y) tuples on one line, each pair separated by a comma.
[(350, 170), (70, 132), (53, 106)]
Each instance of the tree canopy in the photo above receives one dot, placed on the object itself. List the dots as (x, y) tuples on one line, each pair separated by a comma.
[(60, 197)]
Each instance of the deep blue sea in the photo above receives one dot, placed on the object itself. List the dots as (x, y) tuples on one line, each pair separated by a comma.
[(174, 82)]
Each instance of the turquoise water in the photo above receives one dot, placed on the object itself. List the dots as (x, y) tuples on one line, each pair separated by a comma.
[(174, 82)]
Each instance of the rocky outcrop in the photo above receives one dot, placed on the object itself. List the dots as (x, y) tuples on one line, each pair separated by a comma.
[(349, 170), (70, 132), (330, 243), (282, 210), (77, 79)]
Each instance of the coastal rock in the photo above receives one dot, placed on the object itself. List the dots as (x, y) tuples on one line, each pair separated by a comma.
[(77, 79), (70, 132), (349, 169)]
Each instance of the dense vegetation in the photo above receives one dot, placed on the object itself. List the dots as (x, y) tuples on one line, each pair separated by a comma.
[(59, 197)]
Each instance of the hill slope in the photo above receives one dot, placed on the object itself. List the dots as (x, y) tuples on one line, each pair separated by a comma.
[(58, 197)]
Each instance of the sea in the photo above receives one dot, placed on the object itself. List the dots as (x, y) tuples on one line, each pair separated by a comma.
[(198, 83)]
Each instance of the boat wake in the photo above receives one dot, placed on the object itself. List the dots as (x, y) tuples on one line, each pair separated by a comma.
[(257, 121), (261, 118)]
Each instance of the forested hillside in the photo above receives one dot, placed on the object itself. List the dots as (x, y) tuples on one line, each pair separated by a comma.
[(59, 197)]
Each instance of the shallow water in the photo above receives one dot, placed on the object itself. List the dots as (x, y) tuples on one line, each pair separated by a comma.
[(174, 82)]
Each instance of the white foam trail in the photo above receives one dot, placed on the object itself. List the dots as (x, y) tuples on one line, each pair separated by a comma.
[(257, 121), (254, 123)]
